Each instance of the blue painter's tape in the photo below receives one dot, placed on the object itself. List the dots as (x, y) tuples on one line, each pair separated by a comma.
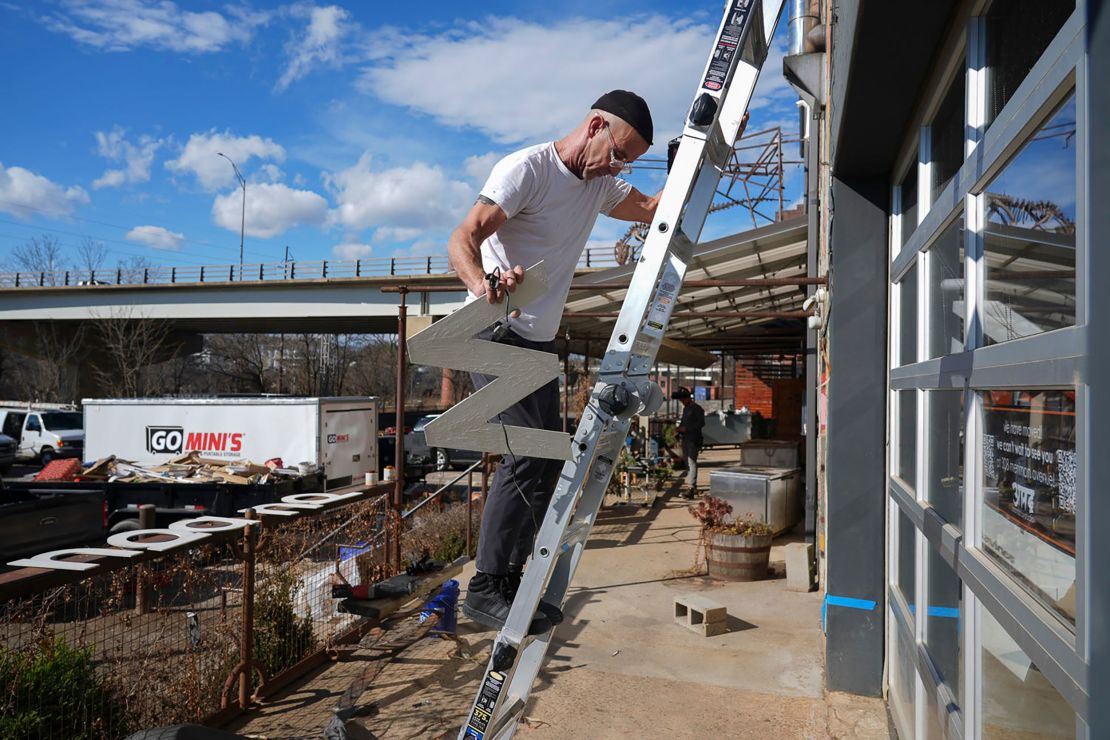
[(846, 601), (865, 604), (944, 611)]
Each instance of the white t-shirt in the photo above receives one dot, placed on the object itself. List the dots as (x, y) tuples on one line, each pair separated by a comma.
[(551, 213)]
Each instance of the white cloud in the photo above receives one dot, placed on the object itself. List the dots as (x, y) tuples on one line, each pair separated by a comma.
[(269, 173), (424, 248), (419, 196), (272, 209), (351, 251), (318, 45), (478, 167), (396, 234), (156, 237), (521, 81), (24, 194), (122, 25), (136, 158), (201, 156)]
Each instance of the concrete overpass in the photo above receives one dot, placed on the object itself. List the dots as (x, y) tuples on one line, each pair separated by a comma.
[(346, 297)]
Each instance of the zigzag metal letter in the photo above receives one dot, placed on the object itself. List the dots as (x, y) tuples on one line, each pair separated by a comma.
[(451, 343)]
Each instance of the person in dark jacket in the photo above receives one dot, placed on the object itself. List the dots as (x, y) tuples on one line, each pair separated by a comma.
[(690, 426)]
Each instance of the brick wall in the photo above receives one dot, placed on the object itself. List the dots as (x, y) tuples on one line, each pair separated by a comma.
[(752, 392)]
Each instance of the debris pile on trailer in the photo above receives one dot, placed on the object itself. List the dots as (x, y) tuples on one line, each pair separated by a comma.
[(189, 468)]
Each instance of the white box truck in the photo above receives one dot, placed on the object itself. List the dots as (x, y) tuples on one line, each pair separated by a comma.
[(341, 434)]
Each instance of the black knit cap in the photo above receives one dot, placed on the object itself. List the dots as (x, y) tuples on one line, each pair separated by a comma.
[(630, 108)]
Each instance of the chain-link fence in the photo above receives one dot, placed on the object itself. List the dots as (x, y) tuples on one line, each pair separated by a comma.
[(161, 641), (142, 646)]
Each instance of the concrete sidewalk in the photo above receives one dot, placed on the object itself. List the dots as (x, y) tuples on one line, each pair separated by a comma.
[(620, 666)]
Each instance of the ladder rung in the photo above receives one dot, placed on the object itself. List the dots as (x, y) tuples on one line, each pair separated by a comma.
[(717, 149), (575, 533), (511, 713)]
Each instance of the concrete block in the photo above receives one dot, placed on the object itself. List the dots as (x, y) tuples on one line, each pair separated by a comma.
[(801, 571), (711, 629), (701, 615)]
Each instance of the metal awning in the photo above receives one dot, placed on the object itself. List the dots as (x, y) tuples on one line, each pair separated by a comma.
[(735, 320)]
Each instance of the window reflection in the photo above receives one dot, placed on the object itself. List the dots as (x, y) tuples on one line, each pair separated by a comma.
[(1029, 493), (908, 186), (1018, 32), (907, 542), (1018, 701), (946, 292), (948, 134), (907, 437), (903, 683), (1030, 235), (944, 601), (907, 304), (946, 454)]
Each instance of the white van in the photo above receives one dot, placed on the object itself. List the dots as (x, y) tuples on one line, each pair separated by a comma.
[(44, 434)]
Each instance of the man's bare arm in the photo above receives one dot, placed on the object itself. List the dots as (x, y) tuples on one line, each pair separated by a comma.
[(464, 250), (637, 207)]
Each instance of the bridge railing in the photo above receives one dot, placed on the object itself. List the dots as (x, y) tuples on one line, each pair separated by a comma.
[(374, 267)]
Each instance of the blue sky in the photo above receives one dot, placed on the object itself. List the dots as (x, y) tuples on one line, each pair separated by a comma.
[(363, 129)]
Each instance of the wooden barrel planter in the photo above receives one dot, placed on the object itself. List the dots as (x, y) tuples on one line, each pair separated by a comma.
[(737, 557)]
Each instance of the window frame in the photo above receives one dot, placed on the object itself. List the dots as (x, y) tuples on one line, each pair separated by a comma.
[(1050, 360)]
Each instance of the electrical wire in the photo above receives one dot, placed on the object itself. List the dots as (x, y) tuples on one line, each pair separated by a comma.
[(512, 477)]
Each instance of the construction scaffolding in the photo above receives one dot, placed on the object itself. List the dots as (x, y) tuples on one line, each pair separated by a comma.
[(754, 178)]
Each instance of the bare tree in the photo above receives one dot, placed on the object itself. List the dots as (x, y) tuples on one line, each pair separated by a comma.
[(41, 254), (46, 370), (246, 360), (131, 344), (90, 256), (132, 269)]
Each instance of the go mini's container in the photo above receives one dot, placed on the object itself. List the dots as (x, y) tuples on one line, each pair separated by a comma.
[(339, 434)]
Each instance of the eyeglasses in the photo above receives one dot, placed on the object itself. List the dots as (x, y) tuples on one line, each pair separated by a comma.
[(614, 161)]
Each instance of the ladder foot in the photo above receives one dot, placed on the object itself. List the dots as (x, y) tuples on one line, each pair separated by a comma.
[(539, 625)]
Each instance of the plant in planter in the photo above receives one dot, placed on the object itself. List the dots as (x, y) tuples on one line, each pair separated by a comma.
[(736, 548)]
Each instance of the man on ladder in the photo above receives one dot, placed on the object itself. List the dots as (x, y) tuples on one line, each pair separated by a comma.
[(540, 203), (478, 250)]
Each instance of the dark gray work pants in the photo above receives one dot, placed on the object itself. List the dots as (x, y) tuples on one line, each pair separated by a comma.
[(514, 511)]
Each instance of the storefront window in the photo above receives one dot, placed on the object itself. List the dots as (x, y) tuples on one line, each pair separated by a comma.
[(942, 620), (1018, 701), (948, 134), (945, 479), (907, 304), (907, 438), (1030, 235), (908, 187), (1018, 32), (1029, 491), (946, 292), (907, 541)]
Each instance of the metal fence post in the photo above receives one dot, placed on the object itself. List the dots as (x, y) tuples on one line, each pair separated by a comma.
[(469, 510), (399, 461), (142, 595), (485, 486), (246, 643)]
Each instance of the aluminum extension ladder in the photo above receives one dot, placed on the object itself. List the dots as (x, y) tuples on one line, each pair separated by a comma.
[(622, 389)]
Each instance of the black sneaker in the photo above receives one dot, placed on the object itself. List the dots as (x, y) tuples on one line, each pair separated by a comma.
[(553, 613), (488, 601)]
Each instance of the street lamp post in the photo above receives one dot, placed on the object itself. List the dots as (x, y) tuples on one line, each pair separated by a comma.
[(243, 219)]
